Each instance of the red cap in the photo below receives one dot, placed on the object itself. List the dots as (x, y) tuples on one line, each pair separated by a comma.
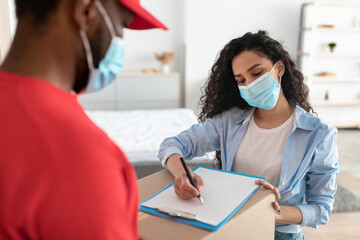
[(143, 19)]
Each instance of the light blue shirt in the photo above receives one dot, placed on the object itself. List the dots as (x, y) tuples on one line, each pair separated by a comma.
[(309, 167)]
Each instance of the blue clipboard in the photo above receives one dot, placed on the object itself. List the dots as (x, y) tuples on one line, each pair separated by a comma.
[(196, 223)]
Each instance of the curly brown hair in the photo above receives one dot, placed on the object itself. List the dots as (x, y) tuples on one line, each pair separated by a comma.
[(221, 93)]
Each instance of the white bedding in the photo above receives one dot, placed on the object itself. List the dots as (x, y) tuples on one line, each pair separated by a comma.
[(139, 133)]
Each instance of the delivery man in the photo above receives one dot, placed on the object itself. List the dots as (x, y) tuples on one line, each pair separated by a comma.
[(61, 177)]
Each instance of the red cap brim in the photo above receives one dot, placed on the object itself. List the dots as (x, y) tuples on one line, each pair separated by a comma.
[(143, 19)]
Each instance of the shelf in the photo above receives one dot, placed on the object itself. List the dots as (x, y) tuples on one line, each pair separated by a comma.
[(335, 29), (335, 79), (331, 55), (355, 102), (335, 76), (140, 74), (333, 4), (344, 124)]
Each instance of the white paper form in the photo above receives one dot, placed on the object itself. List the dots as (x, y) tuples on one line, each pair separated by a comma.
[(222, 193)]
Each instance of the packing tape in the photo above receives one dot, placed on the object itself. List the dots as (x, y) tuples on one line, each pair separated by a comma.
[(142, 215)]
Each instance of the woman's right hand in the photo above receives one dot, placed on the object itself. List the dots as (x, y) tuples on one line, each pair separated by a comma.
[(183, 187)]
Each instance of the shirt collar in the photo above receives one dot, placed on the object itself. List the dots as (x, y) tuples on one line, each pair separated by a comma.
[(301, 120), (248, 116), (245, 117)]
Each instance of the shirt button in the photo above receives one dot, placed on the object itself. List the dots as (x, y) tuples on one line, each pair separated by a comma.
[(283, 183)]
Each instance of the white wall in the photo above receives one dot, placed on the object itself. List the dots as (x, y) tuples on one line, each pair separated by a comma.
[(12, 16), (5, 34), (141, 45), (205, 26)]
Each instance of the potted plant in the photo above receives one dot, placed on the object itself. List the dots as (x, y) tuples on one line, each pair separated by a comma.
[(165, 58), (332, 46)]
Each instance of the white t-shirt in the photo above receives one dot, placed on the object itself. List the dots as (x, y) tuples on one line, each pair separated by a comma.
[(261, 150)]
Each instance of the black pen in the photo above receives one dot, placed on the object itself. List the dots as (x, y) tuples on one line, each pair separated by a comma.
[(190, 178)]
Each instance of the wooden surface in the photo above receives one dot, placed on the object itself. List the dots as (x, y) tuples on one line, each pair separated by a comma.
[(341, 226)]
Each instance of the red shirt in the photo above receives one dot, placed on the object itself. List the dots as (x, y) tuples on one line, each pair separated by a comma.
[(61, 177)]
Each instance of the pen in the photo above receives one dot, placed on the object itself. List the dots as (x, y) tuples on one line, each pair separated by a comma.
[(190, 178)]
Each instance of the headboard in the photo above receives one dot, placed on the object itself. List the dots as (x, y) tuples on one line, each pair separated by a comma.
[(136, 91)]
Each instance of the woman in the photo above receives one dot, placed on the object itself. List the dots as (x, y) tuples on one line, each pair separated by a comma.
[(256, 112)]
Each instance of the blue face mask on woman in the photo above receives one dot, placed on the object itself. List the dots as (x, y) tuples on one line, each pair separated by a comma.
[(263, 92), (109, 67)]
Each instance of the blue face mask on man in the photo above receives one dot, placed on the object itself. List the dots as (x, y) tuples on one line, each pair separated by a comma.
[(263, 92), (112, 64)]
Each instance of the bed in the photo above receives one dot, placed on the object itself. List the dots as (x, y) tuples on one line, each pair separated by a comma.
[(139, 134)]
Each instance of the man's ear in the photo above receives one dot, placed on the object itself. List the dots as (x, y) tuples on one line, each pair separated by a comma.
[(83, 12)]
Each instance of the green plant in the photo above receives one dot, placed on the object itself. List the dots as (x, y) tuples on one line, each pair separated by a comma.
[(332, 45)]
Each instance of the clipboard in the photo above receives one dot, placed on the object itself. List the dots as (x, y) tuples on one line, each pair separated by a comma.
[(182, 216)]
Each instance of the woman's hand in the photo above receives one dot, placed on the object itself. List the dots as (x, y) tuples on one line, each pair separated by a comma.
[(267, 185), (183, 187)]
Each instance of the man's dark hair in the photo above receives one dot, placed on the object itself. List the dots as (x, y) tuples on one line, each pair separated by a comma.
[(37, 10)]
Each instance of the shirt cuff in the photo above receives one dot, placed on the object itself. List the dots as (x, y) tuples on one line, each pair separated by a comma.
[(168, 152), (309, 215)]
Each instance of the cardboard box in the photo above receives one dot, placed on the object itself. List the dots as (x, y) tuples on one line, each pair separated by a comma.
[(254, 220)]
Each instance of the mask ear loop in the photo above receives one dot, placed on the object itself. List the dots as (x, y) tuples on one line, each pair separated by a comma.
[(86, 44), (106, 17), (273, 67), (272, 70)]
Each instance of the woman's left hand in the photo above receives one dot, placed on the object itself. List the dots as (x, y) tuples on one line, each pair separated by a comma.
[(267, 185)]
